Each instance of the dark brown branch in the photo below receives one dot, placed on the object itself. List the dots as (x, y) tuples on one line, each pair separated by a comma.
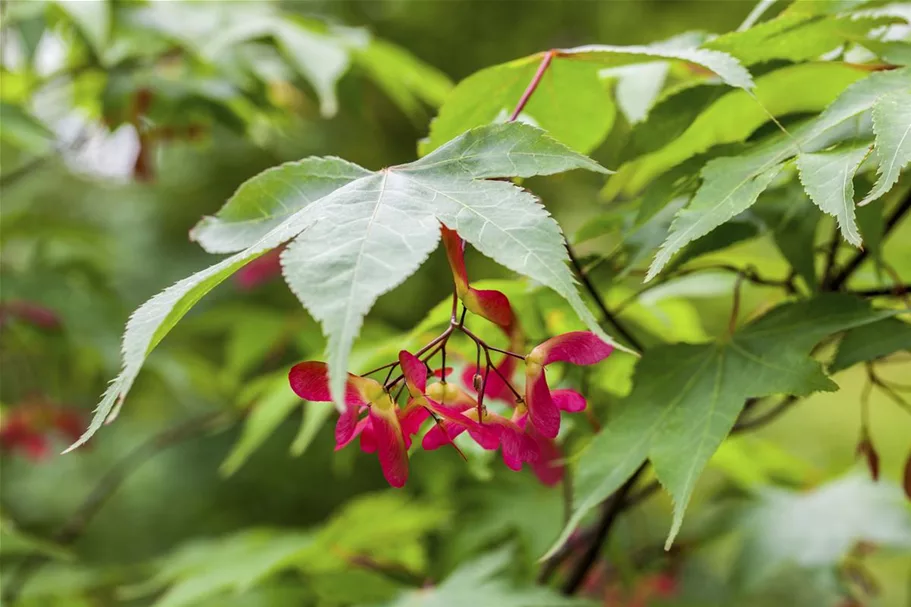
[(894, 291), (106, 487), (831, 256), (610, 510), (599, 301), (764, 418)]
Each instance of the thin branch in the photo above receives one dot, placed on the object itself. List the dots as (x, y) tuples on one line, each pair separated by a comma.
[(610, 510), (748, 274), (106, 487), (735, 306), (831, 256), (9, 178), (599, 301), (899, 290), (842, 277), (764, 418)]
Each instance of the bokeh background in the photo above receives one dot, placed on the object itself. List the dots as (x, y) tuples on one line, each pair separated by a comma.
[(87, 237)]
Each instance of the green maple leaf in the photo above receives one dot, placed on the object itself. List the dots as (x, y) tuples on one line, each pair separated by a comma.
[(686, 398), (356, 234)]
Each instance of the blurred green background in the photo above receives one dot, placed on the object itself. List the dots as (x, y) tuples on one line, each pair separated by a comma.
[(92, 249)]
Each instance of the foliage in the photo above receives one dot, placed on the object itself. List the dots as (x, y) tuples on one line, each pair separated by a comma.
[(747, 261)]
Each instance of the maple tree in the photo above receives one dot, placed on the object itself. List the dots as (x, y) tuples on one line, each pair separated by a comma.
[(792, 131)]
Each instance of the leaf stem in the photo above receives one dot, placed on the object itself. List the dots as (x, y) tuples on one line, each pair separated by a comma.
[(535, 81), (599, 301), (611, 509)]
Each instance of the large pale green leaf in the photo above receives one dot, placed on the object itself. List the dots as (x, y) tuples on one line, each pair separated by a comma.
[(571, 102), (872, 341), (892, 125), (828, 178), (394, 224), (808, 87), (686, 398), (263, 203), (361, 237), (731, 185), (484, 581)]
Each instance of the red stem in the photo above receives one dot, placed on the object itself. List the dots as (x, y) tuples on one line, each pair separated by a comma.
[(545, 62)]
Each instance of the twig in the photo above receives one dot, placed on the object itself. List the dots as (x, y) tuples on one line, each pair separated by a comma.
[(899, 290), (106, 487), (735, 306), (842, 277), (765, 417), (610, 510), (599, 301), (831, 256), (748, 274)]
